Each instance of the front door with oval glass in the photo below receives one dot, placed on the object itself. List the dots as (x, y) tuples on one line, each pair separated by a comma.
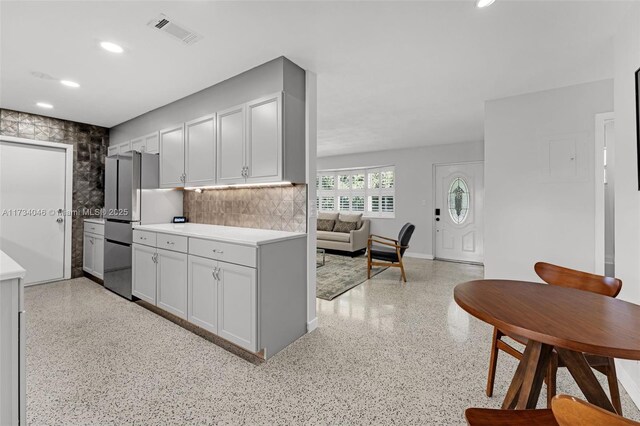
[(458, 220)]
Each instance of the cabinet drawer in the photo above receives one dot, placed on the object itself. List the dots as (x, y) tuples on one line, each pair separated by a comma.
[(233, 253), (94, 228), (144, 237), (172, 242)]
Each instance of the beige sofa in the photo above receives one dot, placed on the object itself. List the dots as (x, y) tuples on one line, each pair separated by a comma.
[(352, 242)]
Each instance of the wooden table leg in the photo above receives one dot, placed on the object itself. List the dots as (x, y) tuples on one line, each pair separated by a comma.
[(584, 377), (527, 381)]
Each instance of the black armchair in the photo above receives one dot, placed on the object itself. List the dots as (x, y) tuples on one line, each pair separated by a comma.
[(383, 251)]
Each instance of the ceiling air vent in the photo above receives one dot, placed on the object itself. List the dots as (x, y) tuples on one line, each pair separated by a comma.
[(172, 28)]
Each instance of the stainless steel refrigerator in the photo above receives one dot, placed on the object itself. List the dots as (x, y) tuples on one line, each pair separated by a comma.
[(132, 196)]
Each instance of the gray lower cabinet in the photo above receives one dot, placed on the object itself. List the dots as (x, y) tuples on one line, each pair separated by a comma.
[(12, 353), (237, 307), (254, 296), (144, 273), (203, 293), (222, 300), (93, 255), (172, 282)]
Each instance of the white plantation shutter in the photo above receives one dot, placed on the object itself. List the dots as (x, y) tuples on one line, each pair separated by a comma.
[(367, 190)]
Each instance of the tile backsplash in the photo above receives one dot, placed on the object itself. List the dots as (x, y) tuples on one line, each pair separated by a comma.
[(282, 208), (89, 149)]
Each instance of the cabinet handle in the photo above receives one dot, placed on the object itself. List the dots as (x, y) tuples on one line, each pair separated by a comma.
[(170, 242), (91, 239), (217, 251)]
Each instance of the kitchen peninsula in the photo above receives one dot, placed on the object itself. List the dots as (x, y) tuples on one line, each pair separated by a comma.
[(245, 285)]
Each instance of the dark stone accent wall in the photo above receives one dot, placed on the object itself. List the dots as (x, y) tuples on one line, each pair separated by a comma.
[(89, 149), (283, 208)]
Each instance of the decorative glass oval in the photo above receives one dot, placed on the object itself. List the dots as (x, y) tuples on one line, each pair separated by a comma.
[(458, 200)]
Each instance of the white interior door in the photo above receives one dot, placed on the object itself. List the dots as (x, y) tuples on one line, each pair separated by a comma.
[(459, 200), (32, 201)]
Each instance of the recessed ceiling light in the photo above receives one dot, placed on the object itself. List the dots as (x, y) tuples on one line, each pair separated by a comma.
[(69, 83), (44, 105), (484, 3), (111, 47)]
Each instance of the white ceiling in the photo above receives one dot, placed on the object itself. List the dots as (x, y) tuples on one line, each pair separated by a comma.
[(390, 74)]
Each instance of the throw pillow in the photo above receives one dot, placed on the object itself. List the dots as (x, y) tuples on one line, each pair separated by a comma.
[(345, 227), (355, 217), (325, 224)]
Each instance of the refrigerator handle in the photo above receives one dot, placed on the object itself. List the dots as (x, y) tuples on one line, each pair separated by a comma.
[(117, 184)]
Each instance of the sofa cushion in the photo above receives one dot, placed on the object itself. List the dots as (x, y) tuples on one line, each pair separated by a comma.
[(351, 217), (325, 224), (346, 227), (328, 215), (334, 236)]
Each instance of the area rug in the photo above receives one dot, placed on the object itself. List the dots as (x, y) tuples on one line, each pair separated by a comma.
[(340, 274)]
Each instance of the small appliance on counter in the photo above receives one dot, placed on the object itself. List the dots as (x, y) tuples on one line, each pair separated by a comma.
[(131, 196)]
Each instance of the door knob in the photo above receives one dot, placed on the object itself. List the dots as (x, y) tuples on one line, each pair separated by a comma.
[(59, 220)]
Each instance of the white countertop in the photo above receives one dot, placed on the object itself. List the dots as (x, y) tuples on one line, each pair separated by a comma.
[(9, 269), (95, 220), (230, 234)]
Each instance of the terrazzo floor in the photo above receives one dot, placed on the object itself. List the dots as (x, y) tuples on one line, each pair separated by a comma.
[(384, 353)]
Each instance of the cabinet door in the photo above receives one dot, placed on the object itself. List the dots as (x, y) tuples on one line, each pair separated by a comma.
[(200, 152), (98, 256), (151, 143), (138, 145), (231, 140), (172, 157), (87, 253), (172, 282), (203, 293), (237, 305), (264, 140), (124, 147), (144, 273), (112, 150)]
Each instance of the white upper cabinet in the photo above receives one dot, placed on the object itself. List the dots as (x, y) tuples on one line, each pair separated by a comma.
[(264, 140), (172, 157), (231, 145), (148, 144), (151, 143), (113, 150), (124, 147), (200, 151), (138, 145)]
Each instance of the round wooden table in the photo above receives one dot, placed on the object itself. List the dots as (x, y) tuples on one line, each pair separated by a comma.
[(572, 322)]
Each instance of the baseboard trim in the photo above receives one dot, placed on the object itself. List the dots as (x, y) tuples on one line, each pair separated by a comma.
[(419, 255), (312, 325), (628, 383)]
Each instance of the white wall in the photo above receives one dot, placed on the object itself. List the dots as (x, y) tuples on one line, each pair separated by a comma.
[(627, 197), (414, 185), (532, 214)]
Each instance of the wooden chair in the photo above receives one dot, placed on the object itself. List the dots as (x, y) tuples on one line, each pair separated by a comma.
[(565, 411), (564, 277), (388, 251)]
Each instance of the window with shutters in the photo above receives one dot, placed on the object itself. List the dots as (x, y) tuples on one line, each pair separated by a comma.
[(368, 190)]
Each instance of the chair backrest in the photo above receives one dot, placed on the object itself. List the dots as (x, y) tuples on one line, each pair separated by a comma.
[(570, 411), (565, 277), (405, 236)]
